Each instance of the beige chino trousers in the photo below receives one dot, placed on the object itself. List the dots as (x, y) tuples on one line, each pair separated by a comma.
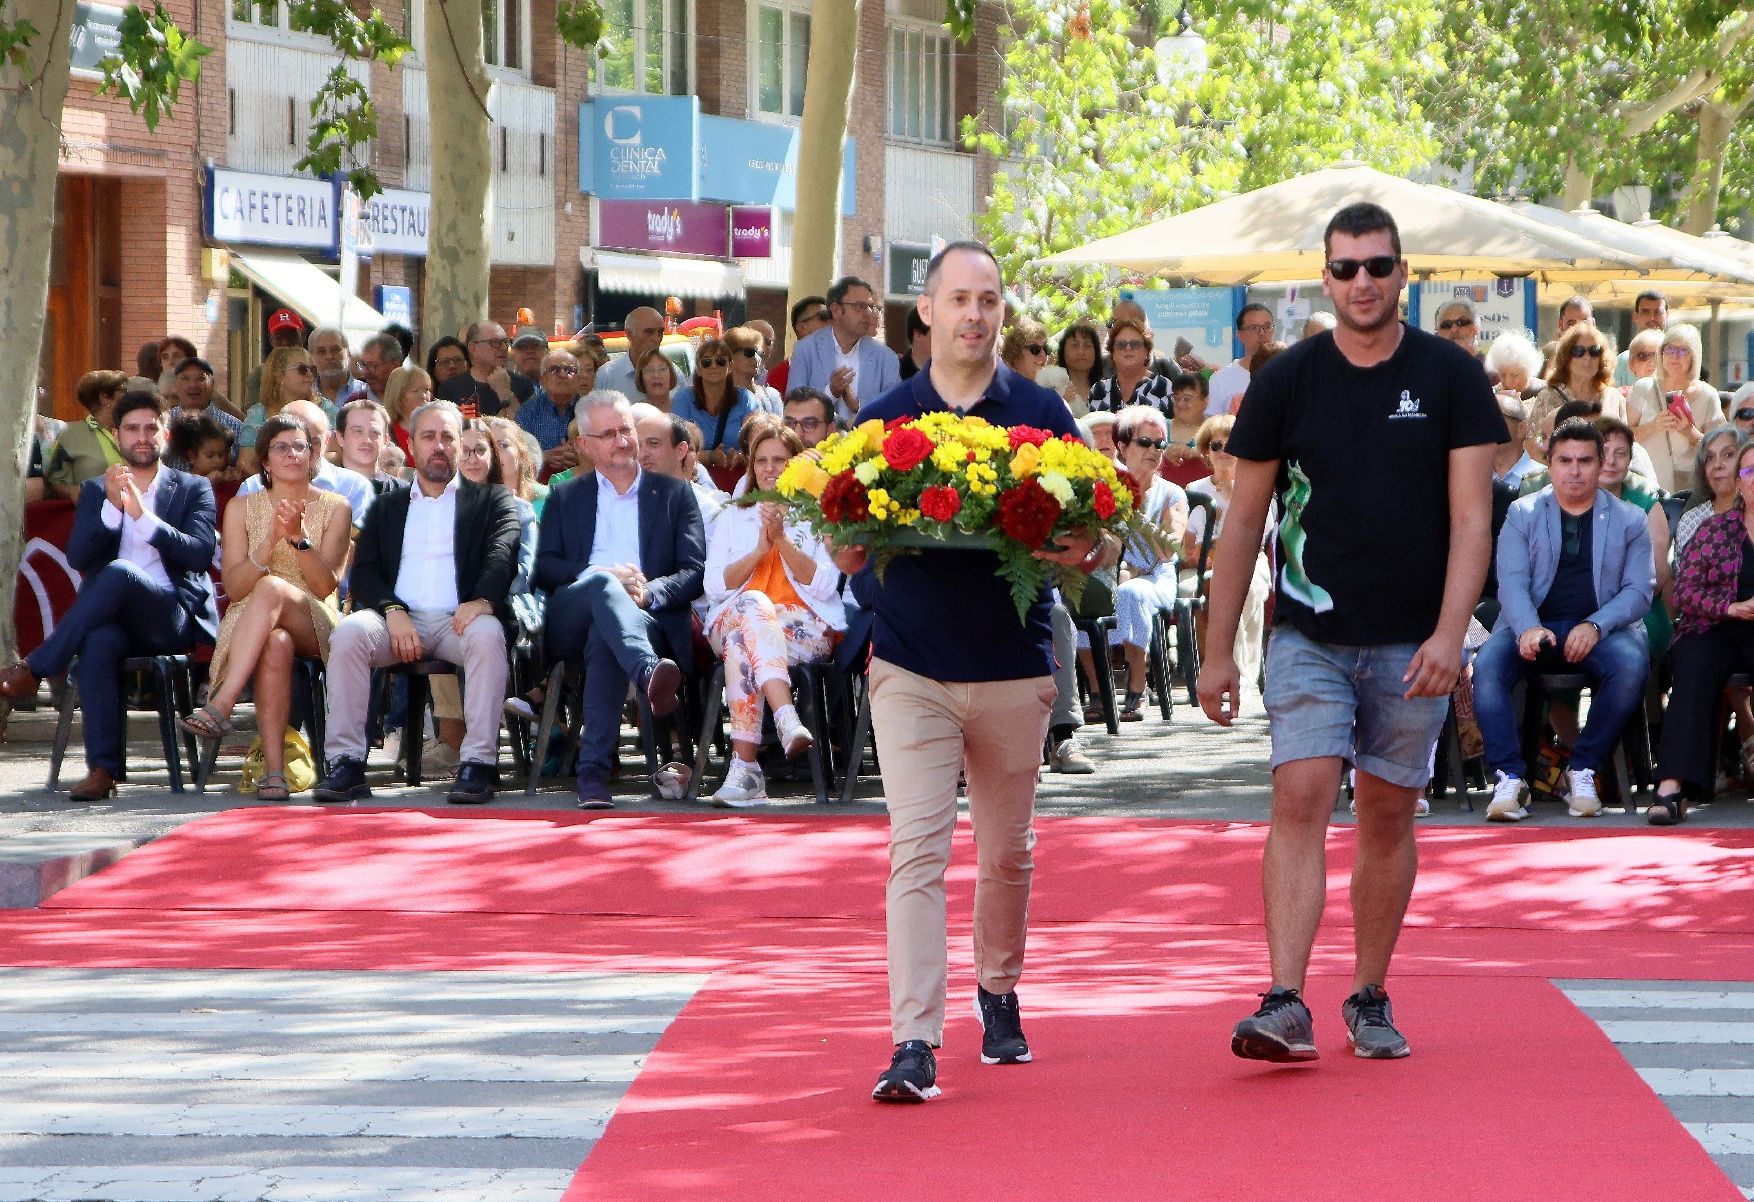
[(929, 731)]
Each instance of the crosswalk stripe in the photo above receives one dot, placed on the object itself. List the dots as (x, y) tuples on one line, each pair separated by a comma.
[(286, 1183), (1724, 1139), (1640, 1031), (583, 1119), (257, 1022), (1662, 999), (25, 988), (1700, 1082), (317, 1066)]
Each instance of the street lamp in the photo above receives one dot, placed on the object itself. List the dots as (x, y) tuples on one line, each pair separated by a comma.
[(1182, 56)]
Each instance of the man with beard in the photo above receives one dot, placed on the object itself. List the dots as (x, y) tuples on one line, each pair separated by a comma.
[(845, 358), (959, 684), (328, 347), (1381, 571), (431, 570), (143, 535)]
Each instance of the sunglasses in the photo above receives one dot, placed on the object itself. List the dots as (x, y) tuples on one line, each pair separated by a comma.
[(1129, 344), (1676, 351), (1035, 348), (1150, 444), (1455, 323), (1216, 446), (303, 369), (498, 344), (715, 361), (560, 369), (749, 352), (1380, 267), (1746, 473), (1586, 352), (1745, 415)]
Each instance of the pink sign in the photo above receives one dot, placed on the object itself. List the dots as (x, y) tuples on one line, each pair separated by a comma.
[(673, 227), (751, 231)]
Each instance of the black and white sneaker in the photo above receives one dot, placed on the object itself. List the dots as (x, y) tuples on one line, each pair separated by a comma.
[(1281, 1031), (1370, 1028), (912, 1075), (1002, 1039)]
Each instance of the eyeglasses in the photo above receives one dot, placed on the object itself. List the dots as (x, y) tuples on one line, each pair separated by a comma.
[(1455, 323), (805, 423), (1591, 352), (608, 435), (1746, 473), (1745, 415), (715, 361), (1676, 351), (1035, 348), (1129, 344), (473, 453), (749, 352), (820, 316), (288, 448), (1216, 446), (1643, 356), (498, 344), (560, 369), (449, 361), (1380, 267), (1150, 444), (1258, 328), (861, 306), (303, 369)]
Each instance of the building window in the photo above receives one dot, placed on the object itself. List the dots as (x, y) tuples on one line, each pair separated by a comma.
[(782, 49), (648, 47), (921, 108), (504, 24)]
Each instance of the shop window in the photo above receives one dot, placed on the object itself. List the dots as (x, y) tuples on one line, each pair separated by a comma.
[(648, 45), (920, 86), (782, 50)]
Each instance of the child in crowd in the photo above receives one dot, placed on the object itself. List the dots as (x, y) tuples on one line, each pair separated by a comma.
[(199, 444)]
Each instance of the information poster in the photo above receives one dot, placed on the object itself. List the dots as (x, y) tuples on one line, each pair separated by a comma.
[(1206, 317)]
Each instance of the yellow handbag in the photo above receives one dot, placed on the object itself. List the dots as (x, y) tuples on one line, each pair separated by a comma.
[(301, 766)]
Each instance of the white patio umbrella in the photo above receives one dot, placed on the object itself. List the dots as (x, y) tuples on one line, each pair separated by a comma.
[(1684, 256), (1274, 234)]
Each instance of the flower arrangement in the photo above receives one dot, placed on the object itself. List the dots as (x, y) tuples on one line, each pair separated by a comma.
[(943, 480)]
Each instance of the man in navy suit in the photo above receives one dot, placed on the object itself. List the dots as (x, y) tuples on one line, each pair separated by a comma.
[(844, 358), (144, 537), (621, 554)]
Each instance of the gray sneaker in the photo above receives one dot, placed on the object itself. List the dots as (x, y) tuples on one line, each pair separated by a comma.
[(1281, 1031), (1369, 1028)]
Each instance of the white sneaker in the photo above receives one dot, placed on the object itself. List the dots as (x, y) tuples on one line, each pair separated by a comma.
[(438, 760), (1507, 800), (744, 786), (1069, 757), (1584, 802), (1421, 808), (795, 737)]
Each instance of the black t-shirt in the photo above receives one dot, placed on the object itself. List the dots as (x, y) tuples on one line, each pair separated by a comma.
[(1364, 480), (523, 387), (1572, 595), (1745, 575), (466, 389)]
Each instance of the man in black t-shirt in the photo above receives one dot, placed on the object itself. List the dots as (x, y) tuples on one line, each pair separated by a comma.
[(1378, 439)]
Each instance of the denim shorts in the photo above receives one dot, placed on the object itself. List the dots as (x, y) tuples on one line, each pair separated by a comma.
[(1329, 699)]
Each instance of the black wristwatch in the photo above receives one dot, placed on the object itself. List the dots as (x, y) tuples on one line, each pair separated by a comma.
[(300, 544)]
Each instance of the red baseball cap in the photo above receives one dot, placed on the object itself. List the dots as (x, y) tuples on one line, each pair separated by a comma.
[(285, 319)]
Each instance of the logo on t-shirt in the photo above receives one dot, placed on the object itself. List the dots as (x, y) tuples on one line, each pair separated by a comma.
[(1409, 407)]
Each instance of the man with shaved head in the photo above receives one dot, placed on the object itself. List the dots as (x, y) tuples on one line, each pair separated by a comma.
[(645, 330)]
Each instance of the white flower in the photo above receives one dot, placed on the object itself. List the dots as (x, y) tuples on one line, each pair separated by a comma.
[(1056, 486), (866, 473)]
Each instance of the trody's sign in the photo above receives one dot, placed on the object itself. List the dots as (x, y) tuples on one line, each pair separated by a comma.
[(663, 226)]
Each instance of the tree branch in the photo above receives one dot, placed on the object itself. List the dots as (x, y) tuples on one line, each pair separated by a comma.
[(1698, 83), (451, 40)]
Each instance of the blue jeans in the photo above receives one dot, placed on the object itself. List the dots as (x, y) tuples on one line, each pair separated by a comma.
[(1617, 666), (120, 612), (595, 619)]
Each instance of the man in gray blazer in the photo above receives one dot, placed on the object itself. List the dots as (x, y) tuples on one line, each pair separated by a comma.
[(1575, 577), (844, 358)]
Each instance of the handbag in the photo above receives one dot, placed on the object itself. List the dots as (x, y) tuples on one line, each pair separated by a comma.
[(301, 766)]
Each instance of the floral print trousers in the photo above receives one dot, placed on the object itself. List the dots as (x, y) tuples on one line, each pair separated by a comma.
[(760, 641)]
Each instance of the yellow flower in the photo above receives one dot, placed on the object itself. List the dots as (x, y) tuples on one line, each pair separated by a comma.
[(810, 478), (1056, 486), (1026, 461), (907, 517), (868, 471), (868, 434), (949, 457)]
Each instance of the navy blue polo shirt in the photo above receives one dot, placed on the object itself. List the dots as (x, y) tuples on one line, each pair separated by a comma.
[(947, 614)]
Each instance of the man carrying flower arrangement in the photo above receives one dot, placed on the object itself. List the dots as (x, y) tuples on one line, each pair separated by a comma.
[(962, 644)]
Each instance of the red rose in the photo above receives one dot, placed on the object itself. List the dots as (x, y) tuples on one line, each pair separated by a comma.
[(1029, 434), (844, 500), (1028, 512), (940, 502), (906, 448), (1102, 499)]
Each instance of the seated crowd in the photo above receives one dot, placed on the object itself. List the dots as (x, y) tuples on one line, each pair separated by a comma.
[(554, 501)]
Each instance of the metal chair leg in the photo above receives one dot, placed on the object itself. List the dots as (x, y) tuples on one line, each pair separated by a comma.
[(710, 708), (167, 726), (539, 745), (856, 749), (63, 732)]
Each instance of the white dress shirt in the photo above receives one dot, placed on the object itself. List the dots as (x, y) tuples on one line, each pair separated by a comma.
[(1227, 383), (137, 533), (616, 540), (850, 361), (427, 577)]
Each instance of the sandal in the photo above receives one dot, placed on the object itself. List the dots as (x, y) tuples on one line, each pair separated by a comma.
[(1668, 810), (206, 723), (273, 787), (1132, 710)]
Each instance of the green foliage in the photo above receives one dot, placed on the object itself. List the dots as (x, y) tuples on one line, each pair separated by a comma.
[(15, 43), (152, 62), (959, 16), (343, 116), (1098, 140), (579, 22)]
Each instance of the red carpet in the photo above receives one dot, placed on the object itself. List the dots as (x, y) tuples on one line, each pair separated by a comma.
[(1146, 946)]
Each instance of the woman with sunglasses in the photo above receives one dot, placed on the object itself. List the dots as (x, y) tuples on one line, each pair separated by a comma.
[(281, 550), (748, 351), (1025, 348), (1133, 382), (1671, 409), (715, 404), (288, 374), (1213, 445), (1148, 580), (1643, 354), (1582, 370), (1714, 622)]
